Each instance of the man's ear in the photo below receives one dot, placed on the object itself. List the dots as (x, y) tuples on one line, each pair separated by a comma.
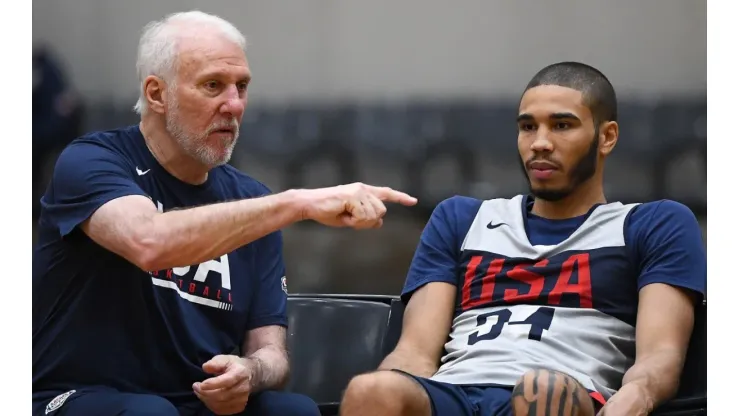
[(154, 92), (608, 137)]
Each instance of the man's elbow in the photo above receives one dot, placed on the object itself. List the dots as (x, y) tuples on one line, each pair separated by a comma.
[(146, 250), (141, 241), (414, 361), (146, 256)]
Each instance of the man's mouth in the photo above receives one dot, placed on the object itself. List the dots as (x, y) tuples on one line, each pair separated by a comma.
[(541, 169)]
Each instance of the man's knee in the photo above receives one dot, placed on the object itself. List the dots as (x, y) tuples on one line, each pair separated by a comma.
[(280, 403), (384, 392), (553, 391), (372, 386)]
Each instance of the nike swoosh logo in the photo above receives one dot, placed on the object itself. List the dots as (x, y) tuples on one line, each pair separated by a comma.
[(491, 226), (140, 172)]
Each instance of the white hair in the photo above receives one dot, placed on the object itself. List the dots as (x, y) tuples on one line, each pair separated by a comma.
[(157, 53)]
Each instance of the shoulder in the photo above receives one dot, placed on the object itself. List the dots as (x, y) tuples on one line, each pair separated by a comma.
[(457, 211), (96, 152), (110, 144), (460, 205), (664, 230), (662, 216), (667, 245)]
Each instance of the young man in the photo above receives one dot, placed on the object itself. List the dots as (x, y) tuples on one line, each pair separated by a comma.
[(552, 303), (157, 261)]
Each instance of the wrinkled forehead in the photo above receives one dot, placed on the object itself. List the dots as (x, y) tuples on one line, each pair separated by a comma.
[(545, 100), (201, 52)]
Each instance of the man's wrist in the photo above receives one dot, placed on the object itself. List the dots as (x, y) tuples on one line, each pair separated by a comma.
[(640, 388), (294, 202), (255, 367)]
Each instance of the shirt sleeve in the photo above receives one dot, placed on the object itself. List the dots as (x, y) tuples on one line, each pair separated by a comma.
[(269, 302), (668, 245), (86, 177), (438, 251)]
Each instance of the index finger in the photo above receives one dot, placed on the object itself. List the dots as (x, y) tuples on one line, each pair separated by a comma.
[(387, 194)]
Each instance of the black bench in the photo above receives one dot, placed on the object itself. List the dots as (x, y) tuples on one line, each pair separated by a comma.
[(332, 338)]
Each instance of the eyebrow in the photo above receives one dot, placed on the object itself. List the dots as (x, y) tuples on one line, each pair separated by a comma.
[(553, 116), (220, 74), (524, 117), (561, 116)]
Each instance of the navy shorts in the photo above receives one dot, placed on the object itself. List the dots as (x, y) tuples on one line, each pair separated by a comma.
[(104, 401), (453, 400)]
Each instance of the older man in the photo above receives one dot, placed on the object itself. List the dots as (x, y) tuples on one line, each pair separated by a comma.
[(157, 261)]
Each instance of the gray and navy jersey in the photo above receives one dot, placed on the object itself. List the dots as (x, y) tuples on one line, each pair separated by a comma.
[(551, 294)]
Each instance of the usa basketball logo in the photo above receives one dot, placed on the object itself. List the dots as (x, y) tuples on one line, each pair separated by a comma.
[(58, 401)]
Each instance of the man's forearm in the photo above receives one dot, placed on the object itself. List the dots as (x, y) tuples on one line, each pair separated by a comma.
[(191, 236), (657, 375), (270, 368), (410, 363)]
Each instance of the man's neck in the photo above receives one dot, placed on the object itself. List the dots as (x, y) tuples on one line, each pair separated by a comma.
[(170, 156), (576, 204)]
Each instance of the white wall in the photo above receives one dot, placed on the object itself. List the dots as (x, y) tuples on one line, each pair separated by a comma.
[(390, 49)]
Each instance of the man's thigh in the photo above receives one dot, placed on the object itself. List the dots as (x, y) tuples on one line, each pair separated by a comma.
[(100, 401), (279, 403), (555, 392), (266, 403), (449, 399)]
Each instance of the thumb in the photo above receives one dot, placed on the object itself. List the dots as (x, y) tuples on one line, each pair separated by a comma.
[(348, 220), (217, 364)]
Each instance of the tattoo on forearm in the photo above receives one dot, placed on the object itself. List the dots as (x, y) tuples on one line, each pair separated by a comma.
[(546, 392)]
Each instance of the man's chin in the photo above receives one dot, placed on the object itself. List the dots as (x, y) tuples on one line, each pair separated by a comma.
[(550, 195), (225, 158)]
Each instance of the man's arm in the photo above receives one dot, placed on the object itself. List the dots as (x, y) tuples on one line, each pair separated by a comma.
[(267, 357), (131, 227), (665, 320), (92, 189), (426, 326), (667, 244), (432, 286)]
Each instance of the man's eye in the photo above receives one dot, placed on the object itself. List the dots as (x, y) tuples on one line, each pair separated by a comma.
[(526, 127)]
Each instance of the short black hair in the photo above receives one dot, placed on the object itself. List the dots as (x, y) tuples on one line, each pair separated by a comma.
[(598, 92)]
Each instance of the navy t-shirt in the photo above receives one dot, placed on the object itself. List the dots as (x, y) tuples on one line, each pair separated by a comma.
[(663, 242), (100, 320)]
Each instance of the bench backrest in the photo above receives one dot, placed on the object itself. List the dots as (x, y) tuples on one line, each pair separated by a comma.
[(330, 340)]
